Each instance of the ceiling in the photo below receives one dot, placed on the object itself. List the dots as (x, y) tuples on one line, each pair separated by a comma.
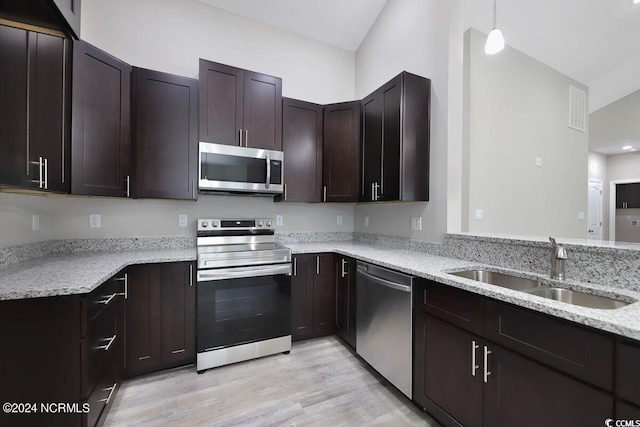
[(593, 41), (341, 23)]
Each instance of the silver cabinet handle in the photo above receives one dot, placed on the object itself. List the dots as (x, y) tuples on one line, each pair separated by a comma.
[(336, 312), (191, 275), (46, 174), (111, 340), (324, 193), (240, 132), (193, 189), (268, 159), (111, 390), (474, 347), (128, 190), (109, 299), (317, 264), (343, 272), (124, 279), (285, 192), (246, 138), (487, 352), (295, 266), (40, 174)]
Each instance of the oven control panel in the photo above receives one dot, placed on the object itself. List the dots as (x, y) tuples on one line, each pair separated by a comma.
[(206, 224)]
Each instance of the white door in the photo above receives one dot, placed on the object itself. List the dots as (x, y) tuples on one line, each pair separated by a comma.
[(594, 216)]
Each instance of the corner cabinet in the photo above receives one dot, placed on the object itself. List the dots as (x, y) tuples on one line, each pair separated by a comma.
[(160, 317), (34, 112), (302, 146), (341, 152), (165, 135), (395, 148), (239, 107), (312, 296), (101, 123), (478, 362)]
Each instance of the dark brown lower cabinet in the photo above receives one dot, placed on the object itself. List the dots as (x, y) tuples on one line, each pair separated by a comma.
[(160, 317), (312, 296), (627, 411), (463, 378), (345, 300)]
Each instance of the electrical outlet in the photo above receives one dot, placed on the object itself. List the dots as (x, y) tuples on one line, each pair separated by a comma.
[(539, 162), (416, 223), (35, 222), (339, 219), (183, 219), (366, 220), (94, 221), (279, 219), (479, 214), (581, 215)]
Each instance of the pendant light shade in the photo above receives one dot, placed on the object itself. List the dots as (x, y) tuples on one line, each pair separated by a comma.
[(495, 41)]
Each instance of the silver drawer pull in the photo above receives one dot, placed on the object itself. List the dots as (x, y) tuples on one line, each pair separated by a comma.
[(111, 390), (124, 279), (106, 347), (474, 347), (487, 352), (109, 299), (177, 351), (144, 357)]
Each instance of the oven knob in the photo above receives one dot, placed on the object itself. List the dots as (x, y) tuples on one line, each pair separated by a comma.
[(259, 224), (204, 224), (268, 223), (214, 223)]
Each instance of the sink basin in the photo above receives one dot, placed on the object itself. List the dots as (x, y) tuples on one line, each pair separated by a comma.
[(577, 298), (499, 279)]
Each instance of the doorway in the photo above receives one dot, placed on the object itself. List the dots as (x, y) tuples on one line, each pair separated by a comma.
[(612, 204), (594, 214)]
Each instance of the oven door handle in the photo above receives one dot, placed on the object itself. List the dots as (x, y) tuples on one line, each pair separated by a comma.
[(241, 272)]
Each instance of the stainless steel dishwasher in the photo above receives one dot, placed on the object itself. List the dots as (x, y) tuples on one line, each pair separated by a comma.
[(385, 323)]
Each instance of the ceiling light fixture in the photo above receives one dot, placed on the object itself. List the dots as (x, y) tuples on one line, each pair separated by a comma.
[(627, 147), (636, 1), (495, 41)]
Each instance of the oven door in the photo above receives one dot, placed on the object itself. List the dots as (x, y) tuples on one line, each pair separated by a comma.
[(239, 169), (243, 305)]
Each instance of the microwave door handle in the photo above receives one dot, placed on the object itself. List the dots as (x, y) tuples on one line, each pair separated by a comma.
[(268, 159)]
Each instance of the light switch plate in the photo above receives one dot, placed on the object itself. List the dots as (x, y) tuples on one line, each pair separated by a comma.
[(279, 219), (94, 221), (366, 220), (539, 162), (183, 219), (339, 219), (416, 223), (580, 215), (479, 214), (35, 222)]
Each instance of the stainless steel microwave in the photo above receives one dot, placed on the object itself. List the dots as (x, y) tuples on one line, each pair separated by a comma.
[(227, 168)]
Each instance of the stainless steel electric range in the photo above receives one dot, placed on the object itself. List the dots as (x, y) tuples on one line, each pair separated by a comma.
[(243, 292)]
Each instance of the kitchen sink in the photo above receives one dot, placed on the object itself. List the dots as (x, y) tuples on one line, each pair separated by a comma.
[(499, 279), (577, 298), (537, 288)]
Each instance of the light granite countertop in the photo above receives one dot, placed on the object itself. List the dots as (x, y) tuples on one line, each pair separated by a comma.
[(81, 272)]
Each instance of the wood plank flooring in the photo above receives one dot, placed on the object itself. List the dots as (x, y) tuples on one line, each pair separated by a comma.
[(321, 383)]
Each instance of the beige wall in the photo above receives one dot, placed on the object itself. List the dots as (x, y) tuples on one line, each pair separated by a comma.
[(623, 166), (518, 111), (413, 35)]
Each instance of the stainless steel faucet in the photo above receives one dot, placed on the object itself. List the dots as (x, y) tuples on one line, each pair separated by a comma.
[(557, 260)]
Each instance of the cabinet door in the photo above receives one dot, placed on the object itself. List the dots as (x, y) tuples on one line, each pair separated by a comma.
[(143, 319), (262, 116), (345, 299), (634, 195), (341, 159), (178, 314), (220, 93), (390, 99), (13, 108), (49, 117), (521, 392), (165, 135), (302, 297), (628, 372), (626, 411), (302, 146), (323, 295), (101, 131), (622, 196), (70, 10), (445, 375), (371, 147)]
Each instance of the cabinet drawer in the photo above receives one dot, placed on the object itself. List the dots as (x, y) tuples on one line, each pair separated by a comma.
[(453, 305), (628, 372), (108, 294), (570, 348), (99, 346), (104, 393)]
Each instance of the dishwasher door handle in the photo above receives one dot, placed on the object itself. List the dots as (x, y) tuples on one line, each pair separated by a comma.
[(384, 282)]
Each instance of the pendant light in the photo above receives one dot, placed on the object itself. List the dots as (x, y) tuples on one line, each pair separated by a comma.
[(495, 41)]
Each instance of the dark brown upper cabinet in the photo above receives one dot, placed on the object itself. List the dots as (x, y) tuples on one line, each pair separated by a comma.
[(302, 146), (34, 112), (395, 148), (70, 11), (48, 16), (165, 117), (239, 107), (101, 123), (341, 152), (628, 196)]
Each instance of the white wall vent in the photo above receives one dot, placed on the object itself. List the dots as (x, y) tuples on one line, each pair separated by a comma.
[(577, 108)]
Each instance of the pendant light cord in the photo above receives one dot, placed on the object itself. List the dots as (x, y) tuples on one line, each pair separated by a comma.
[(495, 25)]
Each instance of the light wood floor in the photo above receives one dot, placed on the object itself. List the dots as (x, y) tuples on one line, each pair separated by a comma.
[(320, 383)]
